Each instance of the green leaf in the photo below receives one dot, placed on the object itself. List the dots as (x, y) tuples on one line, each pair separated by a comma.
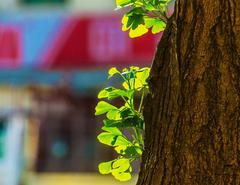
[(149, 22), (138, 31), (125, 85), (130, 21), (123, 2), (126, 176), (115, 123), (120, 93), (105, 167), (103, 107), (137, 21), (105, 92), (143, 74), (120, 140), (133, 151), (156, 24), (150, 7), (136, 11), (113, 114), (112, 130), (120, 169), (128, 120), (121, 165), (141, 78), (120, 149), (126, 23), (111, 123), (113, 139), (134, 21), (111, 93), (107, 138), (112, 71), (158, 27)]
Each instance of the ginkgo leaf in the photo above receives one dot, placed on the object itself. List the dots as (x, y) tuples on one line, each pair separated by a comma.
[(112, 130), (139, 31), (112, 71), (123, 2), (103, 107), (105, 167), (107, 138), (125, 85), (126, 176), (158, 27)]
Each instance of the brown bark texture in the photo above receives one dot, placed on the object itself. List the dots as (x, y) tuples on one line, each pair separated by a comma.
[(192, 112)]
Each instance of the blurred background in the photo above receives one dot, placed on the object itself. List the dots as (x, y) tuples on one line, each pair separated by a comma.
[(54, 56)]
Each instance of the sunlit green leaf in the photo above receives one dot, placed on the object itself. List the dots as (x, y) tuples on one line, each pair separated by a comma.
[(112, 130), (107, 138), (150, 7), (112, 71), (112, 93), (103, 107), (141, 78), (154, 23), (119, 93), (125, 25), (113, 114), (158, 27), (121, 165), (134, 20), (121, 141), (105, 167), (139, 31), (125, 85), (126, 176), (123, 2), (103, 94), (112, 123), (121, 169), (120, 149)]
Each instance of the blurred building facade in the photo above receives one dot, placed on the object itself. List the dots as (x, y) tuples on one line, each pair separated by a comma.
[(54, 56), (63, 5)]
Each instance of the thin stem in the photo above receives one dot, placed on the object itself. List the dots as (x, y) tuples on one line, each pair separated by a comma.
[(141, 102), (137, 135), (126, 101)]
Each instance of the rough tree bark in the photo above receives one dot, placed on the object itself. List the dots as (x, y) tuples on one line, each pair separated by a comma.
[(192, 113)]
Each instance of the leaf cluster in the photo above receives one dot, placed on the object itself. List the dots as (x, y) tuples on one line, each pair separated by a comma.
[(143, 15), (123, 126)]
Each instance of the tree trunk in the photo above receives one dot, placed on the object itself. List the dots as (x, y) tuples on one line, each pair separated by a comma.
[(192, 112)]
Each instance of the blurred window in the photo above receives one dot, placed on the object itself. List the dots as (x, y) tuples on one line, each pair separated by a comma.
[(42, 1), (68, 131), (3, 129)]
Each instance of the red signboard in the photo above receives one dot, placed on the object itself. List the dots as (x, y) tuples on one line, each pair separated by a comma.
[(10, 50), (98, 41)]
